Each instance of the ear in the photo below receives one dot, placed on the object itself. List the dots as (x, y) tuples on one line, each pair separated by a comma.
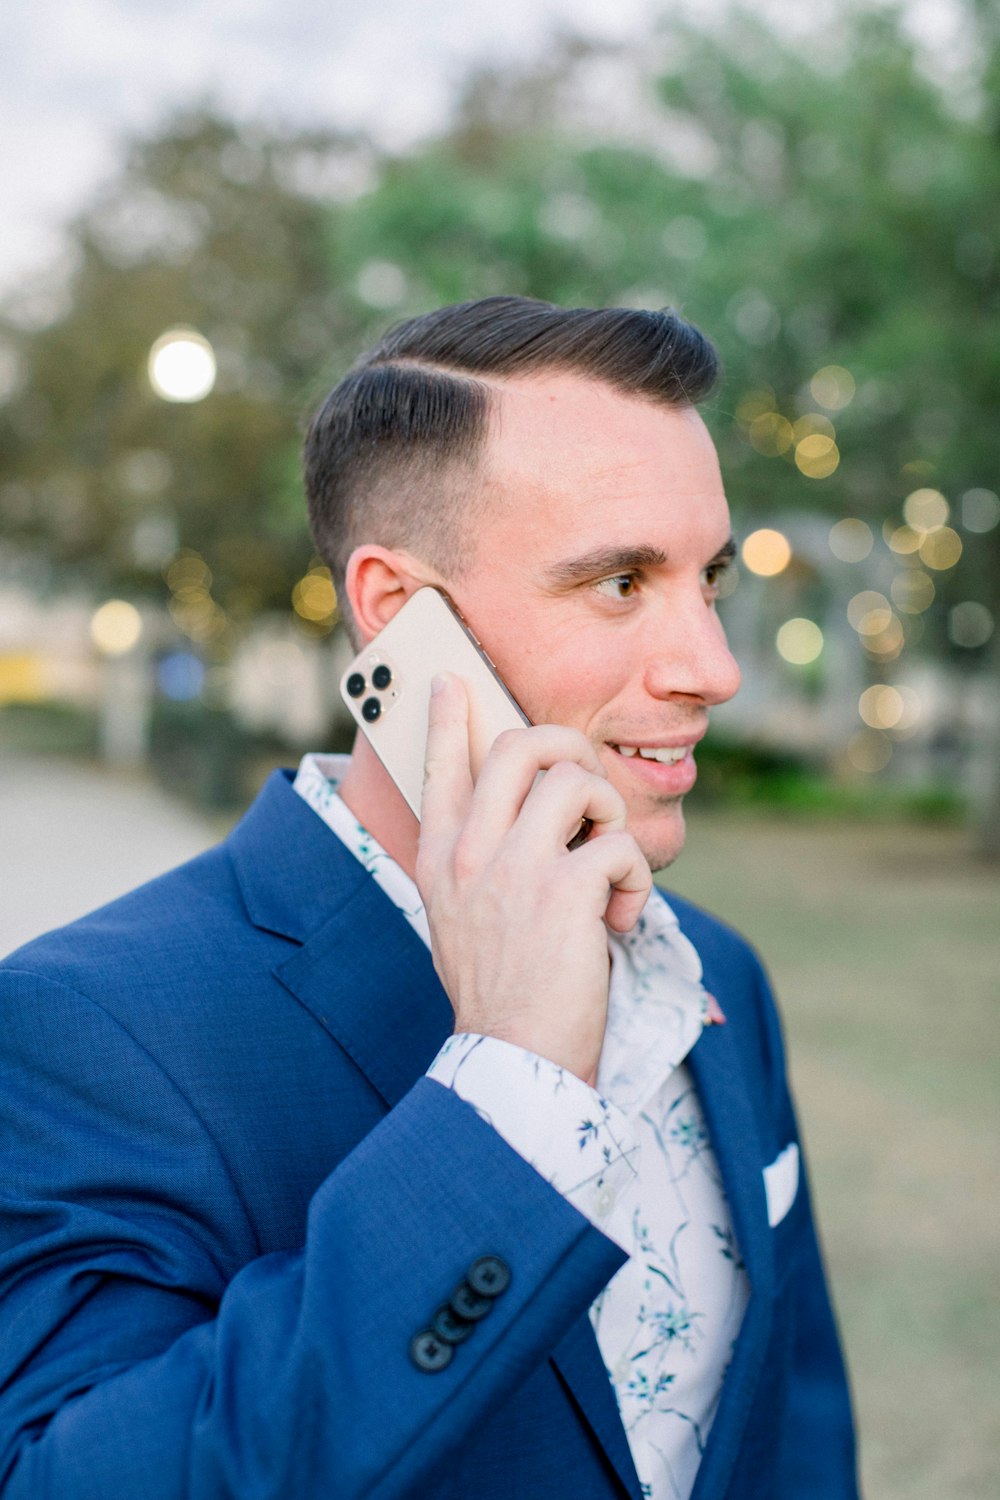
[(379, 581)]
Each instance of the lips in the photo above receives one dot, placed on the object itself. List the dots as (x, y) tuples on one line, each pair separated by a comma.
[(668, 770)]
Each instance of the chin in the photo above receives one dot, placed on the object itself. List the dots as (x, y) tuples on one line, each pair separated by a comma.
[(661, 835)]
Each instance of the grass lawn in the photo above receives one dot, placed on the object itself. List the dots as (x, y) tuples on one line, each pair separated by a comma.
[(883, 941)]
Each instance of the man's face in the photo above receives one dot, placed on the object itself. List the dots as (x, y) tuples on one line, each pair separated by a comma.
[(604, 534)]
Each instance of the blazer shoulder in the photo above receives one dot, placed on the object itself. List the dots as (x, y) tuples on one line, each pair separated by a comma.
[(712, 936), (182, 912)]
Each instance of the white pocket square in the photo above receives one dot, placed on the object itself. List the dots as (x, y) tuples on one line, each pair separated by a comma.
[(781, 1183)]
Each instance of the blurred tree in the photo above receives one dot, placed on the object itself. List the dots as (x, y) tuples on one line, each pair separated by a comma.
[(827, 210), (824, 205), (211, 226)]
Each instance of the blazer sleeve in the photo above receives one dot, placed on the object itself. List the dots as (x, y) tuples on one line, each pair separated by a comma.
[(148, 1349)]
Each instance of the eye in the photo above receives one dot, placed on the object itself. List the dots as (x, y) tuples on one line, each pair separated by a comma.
[(619, 586), (713, 575)]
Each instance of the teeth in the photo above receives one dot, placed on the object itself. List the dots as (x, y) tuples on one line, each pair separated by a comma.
[(668, 755)]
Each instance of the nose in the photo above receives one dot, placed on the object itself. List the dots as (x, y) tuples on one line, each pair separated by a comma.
[(691, 660)]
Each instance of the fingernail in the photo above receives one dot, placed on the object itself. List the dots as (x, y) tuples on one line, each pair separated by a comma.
[(438, 684)]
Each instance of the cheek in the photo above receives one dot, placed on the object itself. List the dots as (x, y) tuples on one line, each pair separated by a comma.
[(564, 682)]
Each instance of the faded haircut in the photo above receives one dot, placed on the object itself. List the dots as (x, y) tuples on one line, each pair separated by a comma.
[(393, 454)]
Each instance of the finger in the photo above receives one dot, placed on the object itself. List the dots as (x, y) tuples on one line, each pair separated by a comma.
[(557, 803), (621, 873), (510, 770), (447, 788)]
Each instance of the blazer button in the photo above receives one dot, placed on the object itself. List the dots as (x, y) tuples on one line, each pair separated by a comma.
[(468, 1304), (449, 1326), (429, 1352), (489, 1276)]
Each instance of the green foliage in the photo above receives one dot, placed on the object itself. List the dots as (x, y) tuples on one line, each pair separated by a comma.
[(807, 205)]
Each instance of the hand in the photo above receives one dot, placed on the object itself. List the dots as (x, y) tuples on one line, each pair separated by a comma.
[(518, 923)]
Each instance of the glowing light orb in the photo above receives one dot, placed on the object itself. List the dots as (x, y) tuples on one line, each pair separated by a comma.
[(970, 624), (115, 627), (903, 539), (940, 549), (771, 434), (314, 597), (799, 641), (864, 603), (766, 552), (925, 509), (869, 750), (912, 591), (881, 707), (182, 365), (980, 510), (833, 387), (851, 540), (817, 456)]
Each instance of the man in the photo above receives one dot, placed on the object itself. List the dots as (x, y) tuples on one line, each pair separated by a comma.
[(248, 1247)]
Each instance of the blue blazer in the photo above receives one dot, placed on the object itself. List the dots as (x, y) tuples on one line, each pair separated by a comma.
[(229, 1200)]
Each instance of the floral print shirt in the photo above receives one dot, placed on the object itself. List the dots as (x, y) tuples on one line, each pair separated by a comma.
[(632, 1155)]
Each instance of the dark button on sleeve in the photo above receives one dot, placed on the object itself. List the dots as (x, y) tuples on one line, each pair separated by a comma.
[(489, 1276), (449, 1326), (468, 1304), (429, 1352)]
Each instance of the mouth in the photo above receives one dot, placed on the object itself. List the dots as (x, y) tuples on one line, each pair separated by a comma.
[(667, 769)]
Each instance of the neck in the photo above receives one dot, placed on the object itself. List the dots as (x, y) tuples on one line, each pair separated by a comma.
[(378, 805)]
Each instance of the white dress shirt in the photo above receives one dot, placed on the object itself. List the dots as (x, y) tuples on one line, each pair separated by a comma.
[(632, 1155)]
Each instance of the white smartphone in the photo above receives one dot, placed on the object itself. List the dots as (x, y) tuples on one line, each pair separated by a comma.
[(387, 688)]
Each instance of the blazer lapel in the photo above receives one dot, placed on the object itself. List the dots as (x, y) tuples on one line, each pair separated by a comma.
[(580, 1366), (369, 980), (718, 1072)]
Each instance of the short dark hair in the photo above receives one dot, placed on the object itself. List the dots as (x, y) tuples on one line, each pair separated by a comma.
[(392, 454)]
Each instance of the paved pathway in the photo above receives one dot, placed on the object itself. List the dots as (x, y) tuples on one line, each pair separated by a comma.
[(73, 837)]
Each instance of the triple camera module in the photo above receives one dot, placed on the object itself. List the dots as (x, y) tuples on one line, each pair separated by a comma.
[(356, 686)]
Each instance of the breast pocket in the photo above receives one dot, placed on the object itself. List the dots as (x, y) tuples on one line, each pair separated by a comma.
[(784, 1202)]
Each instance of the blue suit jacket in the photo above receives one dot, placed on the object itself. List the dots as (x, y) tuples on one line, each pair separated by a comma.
[(228, 1200)]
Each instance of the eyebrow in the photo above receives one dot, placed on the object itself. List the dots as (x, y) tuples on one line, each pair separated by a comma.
[(604, 561)]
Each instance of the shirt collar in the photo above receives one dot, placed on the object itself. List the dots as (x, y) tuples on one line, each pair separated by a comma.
[(657, 1004)]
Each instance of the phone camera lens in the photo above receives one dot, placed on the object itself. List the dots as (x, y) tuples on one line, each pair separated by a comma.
[(355, 684), (381, 677), (370, 710)]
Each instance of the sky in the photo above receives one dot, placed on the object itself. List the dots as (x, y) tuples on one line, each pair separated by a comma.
[(81, 75)]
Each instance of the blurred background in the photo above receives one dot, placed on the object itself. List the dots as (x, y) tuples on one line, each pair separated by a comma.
[(211, 211)]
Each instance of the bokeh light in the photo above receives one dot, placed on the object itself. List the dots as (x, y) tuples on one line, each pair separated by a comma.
[(115, 627), (191, 606), (925, 509), (851, 540), (314, 597), (182, 365), (181, 676), (833, 387), (799, 641), (864, 603), (771, 434), (940, 548), (970, 624), (886, 643), (980, 510), (912, 591), (766, 552), (869, 750), (881, 706), (817, 456), (902, 539)]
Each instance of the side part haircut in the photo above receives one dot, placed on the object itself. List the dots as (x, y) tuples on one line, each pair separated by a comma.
[(393, 454)]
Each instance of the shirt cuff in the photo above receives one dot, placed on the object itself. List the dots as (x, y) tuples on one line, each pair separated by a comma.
[(578, 1141)]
